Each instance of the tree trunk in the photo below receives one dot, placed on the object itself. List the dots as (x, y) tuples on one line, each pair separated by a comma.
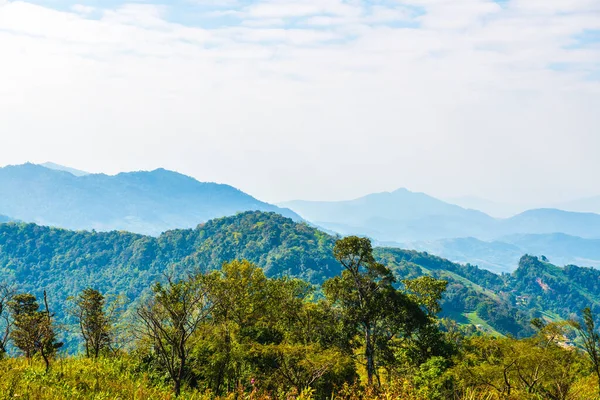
[(181, 369), (370, 356), (177, 387), (597, 367), (45, 357)]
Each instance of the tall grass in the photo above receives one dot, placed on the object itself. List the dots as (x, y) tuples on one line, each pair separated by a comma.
[(118, 379)]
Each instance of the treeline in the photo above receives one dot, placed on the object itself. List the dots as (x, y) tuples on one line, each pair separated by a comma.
[(234, 333)]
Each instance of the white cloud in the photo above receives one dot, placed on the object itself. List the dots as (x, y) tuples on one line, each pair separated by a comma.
[(302, 8), (83, 9), (471, 102)]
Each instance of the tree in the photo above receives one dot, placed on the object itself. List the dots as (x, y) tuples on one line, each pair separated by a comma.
[(591, 340), (94, 324), (369, 302), (6, 293), (242, 295), (170, 319), (427, 341), (33, 332), (427, 292), (539, 367)]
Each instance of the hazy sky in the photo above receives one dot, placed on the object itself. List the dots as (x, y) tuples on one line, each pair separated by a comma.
[(312, 99)]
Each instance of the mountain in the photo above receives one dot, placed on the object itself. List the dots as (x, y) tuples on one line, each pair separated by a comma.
[(64, 262), (492, 208), (4, 219), (545, 287), (401, 215), (421, 222), (127, 263), (548, 220), (503, 254), (142, 202), (497, 256), (57, 167), (588, 204)]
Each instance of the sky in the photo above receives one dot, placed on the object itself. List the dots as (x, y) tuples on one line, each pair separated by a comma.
[(311, 99)]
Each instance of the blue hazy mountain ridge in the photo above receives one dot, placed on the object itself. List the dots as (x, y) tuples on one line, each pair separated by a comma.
[(549, 220), (398, 216), (492, 208), (147, 202), (4, 219), (59, 167), (503, 254), (588, 204), (405, 216), (494, 255)]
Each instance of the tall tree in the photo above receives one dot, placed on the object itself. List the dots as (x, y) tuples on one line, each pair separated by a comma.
[(591, 340), (6, 293), (241, 294), (33, 332), (170, 319), (94, 323), (369, 302)]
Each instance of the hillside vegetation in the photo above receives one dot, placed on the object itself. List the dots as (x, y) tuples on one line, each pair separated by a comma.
[(64, 262), (234, 333)]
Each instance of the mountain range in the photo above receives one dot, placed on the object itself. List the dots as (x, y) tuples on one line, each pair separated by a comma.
[(64, 262), (58, 167), (151, 202), (506, 210), (405, 216), (418, 221), (588, 204), (492, 208), (142, 202), (503, 254)]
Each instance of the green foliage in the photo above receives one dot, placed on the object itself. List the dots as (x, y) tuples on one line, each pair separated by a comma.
[(32, 331), (123, 264), (369, 304), (170, 319), (270, 332), (81, 378), (542, 366), (234, 333), (564, 291), (94, 323), (427, 292)]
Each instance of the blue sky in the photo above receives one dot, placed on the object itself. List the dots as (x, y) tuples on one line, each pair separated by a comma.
[(316, 99)]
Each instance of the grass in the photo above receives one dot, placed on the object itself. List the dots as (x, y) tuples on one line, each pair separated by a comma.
[(487, 328), (78, 378), (472, 285)]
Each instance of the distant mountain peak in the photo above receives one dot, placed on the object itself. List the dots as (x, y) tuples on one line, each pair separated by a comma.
[(401, 190), (58, 167)]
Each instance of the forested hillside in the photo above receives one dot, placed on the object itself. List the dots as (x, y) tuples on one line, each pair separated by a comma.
[(236, 333), (64, 262)]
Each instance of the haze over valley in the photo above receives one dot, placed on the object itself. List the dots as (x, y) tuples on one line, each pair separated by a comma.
[(152, 202)]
